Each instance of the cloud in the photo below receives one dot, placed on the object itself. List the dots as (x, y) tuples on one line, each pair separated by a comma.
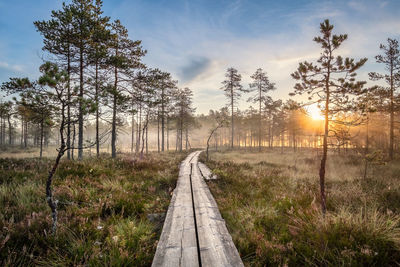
[(194, 68), (357, 5), (198, 40), (10, 67)]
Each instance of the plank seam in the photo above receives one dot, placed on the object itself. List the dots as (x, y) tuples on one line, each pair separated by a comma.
[(194, 216), (201, 171)]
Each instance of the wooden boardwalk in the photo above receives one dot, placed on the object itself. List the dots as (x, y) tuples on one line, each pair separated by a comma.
[(194, 233)]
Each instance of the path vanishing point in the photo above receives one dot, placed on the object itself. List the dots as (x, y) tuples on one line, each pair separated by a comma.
[(194, 233)]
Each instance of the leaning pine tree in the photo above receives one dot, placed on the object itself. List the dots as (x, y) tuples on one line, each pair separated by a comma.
[(331, 82), (56, 80)]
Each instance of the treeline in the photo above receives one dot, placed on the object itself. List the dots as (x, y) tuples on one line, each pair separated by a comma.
[(105, 84), (358, 116)]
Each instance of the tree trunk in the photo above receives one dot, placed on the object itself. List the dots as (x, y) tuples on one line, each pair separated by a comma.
[(366, 147), (133, 131), (26, 135), (391, 140), (294, 141), (69, 100), (80, 114), (325, 149), (73, 140), (167, 133), (49, 193), (186, 137), (10, 137), (177, 137), (139, 133), (41, 138), (114, 116), (181, 134), (147, 140), (1, 129), (97, 110), (22, 131), (143, 134), (259, 122), (162, 117), (272, 137), (158, 130), (232, 129)]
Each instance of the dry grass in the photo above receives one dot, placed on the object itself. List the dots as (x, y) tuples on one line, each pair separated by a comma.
[(104, 208), (270, 203)]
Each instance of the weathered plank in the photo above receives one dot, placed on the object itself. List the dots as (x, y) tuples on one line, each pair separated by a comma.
[(206, 172), (192, 204), (216, 245), (177, 245)]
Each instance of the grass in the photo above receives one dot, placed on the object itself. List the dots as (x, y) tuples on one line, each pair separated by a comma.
[(105, 210), (271, 206)]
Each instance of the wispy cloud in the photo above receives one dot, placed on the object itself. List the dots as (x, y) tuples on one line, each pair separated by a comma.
[(11, 67)]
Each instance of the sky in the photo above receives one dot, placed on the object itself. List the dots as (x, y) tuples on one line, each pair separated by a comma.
[(196, 41)]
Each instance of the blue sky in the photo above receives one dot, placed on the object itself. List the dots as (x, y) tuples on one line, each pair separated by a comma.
[(198, 40)]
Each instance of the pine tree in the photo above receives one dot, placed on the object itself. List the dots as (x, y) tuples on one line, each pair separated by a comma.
[(98, 58), (55, 81), (83, 24), (59, 34), (261, 86), (331, 80), (184, 109), (124, 59), (35, 102), (165, 86), (391, 60), (233, 90)]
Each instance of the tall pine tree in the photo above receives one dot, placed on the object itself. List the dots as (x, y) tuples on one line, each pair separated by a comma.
[(124, 59), (330, 81), (261, 85), (391, 60), (233, 90)]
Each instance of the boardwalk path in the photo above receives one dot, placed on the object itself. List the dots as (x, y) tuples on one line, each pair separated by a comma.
[(194, 233)]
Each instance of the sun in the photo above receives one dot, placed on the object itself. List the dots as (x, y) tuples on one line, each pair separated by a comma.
[(315, 113)]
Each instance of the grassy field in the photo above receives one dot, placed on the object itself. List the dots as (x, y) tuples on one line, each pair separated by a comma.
[(109, 210), (270, 203)]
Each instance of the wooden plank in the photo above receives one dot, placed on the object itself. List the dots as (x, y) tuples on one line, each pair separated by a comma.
[(177, 244), (179, 237), (206, 172), (216, 245)]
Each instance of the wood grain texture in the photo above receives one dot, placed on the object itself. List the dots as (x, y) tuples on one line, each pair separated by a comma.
[(206, 172), (178, 244)]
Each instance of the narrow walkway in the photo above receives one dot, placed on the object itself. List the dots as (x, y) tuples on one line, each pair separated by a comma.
[(194, 233)]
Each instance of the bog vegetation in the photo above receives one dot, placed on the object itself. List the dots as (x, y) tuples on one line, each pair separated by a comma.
[(110, 211), (315, 181)]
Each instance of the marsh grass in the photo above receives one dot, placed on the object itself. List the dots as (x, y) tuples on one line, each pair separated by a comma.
[(271, 206), (103, 210)]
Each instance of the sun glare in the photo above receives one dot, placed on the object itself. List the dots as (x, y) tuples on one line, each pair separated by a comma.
[(315, 113)]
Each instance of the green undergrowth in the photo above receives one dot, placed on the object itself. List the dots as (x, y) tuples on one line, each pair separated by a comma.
[(104, 207), (271, 208)]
